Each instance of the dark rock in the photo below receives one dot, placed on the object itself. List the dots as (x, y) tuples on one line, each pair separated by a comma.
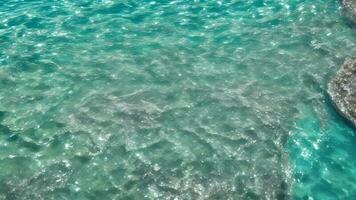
[(342, 89), (350, 7)]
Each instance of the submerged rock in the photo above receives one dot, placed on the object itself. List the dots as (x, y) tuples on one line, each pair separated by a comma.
[(350, 6), (342, 89)]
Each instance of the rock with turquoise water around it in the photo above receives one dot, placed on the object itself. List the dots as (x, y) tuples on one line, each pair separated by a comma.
[(350, 7), (342, 89)]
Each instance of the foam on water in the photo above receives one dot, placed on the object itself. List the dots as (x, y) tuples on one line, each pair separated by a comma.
[(173, 99)]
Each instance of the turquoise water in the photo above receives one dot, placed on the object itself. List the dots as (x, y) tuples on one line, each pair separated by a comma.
[(176, 99)]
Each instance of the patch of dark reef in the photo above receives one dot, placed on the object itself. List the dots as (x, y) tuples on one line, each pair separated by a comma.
[(349, 5), (342, 89)]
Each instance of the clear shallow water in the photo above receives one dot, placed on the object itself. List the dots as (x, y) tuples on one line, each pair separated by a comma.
[(173, 99)]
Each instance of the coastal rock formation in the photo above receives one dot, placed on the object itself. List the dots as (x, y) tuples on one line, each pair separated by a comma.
[(350, 6), (342, 89)]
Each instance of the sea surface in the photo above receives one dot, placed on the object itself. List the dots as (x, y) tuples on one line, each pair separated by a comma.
[(184, 99)]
